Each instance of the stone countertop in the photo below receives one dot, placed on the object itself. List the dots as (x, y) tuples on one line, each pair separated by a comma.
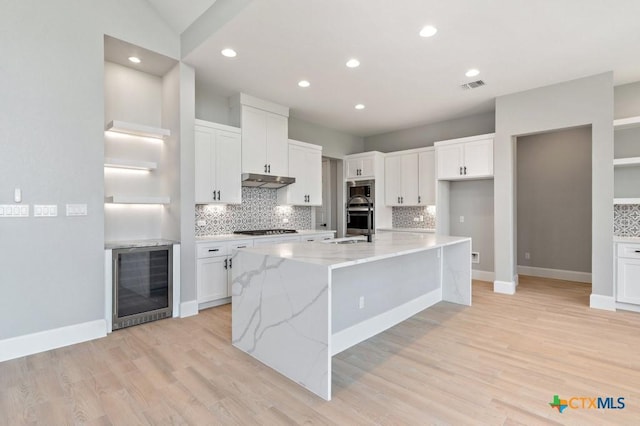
[(419, 230), (385, 245), (235, 237), (626, 239), (110, 245)]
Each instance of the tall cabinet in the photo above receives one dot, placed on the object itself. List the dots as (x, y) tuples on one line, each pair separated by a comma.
[(410, 178)]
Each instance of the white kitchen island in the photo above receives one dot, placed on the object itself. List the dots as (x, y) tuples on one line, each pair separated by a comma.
[(296, 305)]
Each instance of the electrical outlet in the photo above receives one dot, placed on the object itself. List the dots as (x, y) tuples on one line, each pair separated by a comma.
[(361, 302), (475, 257), (421, 218), (416, 219), (461, 219), (201, 223), (285, 220), (527, 255)]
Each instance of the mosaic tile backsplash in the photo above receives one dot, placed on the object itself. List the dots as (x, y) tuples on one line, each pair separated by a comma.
[(402, 217), (626, 220), (259, 210)]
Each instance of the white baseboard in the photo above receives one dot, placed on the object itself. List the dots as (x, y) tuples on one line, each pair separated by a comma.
[(188, 309), (558, 274), (504, 287), (607, 303), (483, 275), (627, 307), (29, 344)]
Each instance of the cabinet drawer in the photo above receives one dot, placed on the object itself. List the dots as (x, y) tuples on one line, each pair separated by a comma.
[(239, 245), (629, 251), (212, 250)]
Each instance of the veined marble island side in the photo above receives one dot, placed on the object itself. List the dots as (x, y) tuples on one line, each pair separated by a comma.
[(296, 305)]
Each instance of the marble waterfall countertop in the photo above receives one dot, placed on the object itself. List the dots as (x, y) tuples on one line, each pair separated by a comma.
[(384, 245), (418, 230), (296, 305)]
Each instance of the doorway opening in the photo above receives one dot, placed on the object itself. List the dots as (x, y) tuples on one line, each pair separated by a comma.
[(553, 204), (326, 217)]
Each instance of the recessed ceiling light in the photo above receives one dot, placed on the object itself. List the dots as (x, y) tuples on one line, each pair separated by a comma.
[(428, 31), (472, 72), (304, 83), (353, 63), (359, 106), (229, 53), (134, 59)]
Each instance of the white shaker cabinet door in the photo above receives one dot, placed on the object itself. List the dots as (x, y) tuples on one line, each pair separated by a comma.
[(449, 160), (478, 158), (427, 178), (392, 180), (228, 167), (254, 140), (409, 173), (204, 153), (277, 145), (628, 281), (212, 278)]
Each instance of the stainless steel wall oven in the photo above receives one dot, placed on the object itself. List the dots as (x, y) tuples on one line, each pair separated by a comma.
[(360, 215), (142, 285)]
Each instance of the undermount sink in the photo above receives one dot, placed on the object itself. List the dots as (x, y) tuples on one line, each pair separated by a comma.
[(346, 240)]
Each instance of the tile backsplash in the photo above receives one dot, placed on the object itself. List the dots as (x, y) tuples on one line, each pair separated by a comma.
[(259, 210), (403, 217), (626, 220)]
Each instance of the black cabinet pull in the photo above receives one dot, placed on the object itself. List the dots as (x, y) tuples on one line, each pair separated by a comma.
[(230, 262), (225, 264), (269, 168), (418, 199), (401, 200), (460, 169), (211, 250), (637, 251), (214, 195), (241, 247), (219, 196), (465, 170), (265, 168)]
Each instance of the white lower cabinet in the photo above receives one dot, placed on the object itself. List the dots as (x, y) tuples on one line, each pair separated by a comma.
[(317, 237), (214, 264), (628, 273)]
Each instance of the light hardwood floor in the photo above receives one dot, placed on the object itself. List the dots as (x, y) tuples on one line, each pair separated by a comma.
[(500, 361)]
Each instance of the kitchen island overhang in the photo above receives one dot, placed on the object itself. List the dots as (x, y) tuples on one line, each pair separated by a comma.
[(296, 305)]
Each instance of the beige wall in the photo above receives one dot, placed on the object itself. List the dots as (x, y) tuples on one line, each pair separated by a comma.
[(554, 199)]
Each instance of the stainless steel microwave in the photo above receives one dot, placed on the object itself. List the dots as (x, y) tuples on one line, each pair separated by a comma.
[(362, 188)]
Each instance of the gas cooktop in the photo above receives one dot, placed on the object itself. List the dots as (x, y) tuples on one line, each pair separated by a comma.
[(266, 232)]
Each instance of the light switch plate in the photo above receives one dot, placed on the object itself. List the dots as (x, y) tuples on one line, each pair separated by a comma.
[(14, 210), (76, 209), (45, 210)]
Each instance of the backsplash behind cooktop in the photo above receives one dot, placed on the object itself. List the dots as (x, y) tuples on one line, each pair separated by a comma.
[(403, 217), (259, 210), (626, 220)]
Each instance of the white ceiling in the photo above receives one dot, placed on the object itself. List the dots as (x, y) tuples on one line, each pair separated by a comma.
[(179, 14), (405, 80)]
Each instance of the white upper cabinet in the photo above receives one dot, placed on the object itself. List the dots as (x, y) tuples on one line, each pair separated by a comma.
[(264, 135), (401, 179), (305, 164), (465, 158), (217, 163), (361, 167), (410, 178), (427, 177)]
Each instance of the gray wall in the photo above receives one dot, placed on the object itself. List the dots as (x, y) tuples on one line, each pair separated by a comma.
[(335, 144), (52, 147), (474, 201), (554, 199), (421, 136), (627, 100), (211, 106), (573, 103)]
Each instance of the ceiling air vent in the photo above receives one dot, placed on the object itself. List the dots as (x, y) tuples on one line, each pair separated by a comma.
[(472, 85)]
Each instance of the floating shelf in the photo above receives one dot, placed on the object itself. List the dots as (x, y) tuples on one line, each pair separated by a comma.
[(626, 162), (626, 201), (119, 163), (626, 123), (126, 199), (137, 129)]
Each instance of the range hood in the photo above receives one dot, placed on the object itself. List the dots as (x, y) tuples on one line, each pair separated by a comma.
[(265, 181)]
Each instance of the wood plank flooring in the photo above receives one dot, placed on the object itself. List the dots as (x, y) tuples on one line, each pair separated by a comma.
[(499, 362)]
